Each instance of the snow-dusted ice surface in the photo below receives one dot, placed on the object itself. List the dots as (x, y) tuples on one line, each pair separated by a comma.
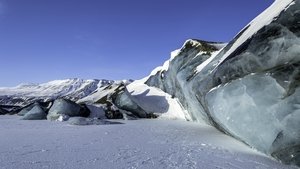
[(259, 22), (131, 144)]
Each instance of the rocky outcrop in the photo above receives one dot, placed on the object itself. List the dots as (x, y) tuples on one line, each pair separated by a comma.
[(3, 111), (108, 101)]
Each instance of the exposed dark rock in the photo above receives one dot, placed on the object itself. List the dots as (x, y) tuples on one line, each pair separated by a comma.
[(3, 111), (111, 110), (288, 155)]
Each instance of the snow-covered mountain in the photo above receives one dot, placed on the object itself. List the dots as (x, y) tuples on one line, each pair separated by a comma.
[(73, 89)]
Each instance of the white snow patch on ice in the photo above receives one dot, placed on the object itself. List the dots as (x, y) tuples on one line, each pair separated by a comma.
[(155, 100), (206, 62), (259, 22)]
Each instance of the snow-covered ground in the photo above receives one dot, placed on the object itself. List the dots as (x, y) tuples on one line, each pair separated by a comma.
[(130, 144)]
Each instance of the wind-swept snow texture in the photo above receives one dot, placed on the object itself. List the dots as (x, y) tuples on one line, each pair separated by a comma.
[(142, 144), (250, 88)]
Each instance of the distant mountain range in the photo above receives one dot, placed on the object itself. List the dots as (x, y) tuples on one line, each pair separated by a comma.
[(73, 89)]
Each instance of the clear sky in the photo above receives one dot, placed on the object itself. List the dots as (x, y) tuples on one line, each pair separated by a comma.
[(43, 40)]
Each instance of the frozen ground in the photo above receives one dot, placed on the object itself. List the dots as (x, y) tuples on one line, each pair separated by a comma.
[(132, 144)]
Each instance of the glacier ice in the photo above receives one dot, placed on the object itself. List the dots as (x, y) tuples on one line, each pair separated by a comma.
[(96, 111), (66, 107), (125, 102), (36, 113), (250, 88), (255, 110), (177, 80), (25, 110)]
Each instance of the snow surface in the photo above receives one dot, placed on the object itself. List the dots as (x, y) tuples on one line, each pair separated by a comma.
[(128, 144), (155, 100)]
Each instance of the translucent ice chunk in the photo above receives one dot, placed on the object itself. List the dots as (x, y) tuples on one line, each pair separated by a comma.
[(254, 109)]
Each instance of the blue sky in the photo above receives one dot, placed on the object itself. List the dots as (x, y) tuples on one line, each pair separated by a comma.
[(43, 40)]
